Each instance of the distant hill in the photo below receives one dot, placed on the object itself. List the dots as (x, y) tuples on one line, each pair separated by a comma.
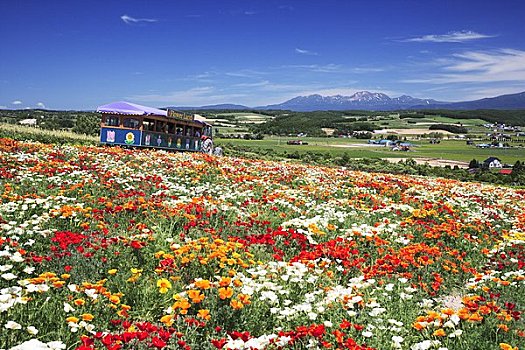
[(511, 101), (375, 101)]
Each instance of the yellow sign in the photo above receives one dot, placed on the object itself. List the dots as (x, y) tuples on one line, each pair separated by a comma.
[(180, 115)]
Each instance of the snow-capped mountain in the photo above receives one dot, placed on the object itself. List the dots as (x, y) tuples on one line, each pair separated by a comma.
[(365, 96), (365, 100), (360, 100)]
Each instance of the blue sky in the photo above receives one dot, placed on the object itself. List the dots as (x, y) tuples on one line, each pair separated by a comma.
[(81, 54)]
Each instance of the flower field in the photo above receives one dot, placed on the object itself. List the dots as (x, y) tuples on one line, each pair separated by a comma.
[(107, 248)]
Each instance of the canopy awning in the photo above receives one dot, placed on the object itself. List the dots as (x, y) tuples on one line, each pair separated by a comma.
[(123, 107)]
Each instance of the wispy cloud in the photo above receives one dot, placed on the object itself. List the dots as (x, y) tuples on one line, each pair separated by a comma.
[(365, 70), (17, 102), (252, 85), (319, 68), (41, 105), (202, 78), (333, 68), (195, 96), (451, 37), (131, 20), (245, 73), (305, 52), (504, 65)]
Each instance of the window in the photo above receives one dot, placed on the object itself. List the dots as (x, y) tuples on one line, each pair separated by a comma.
[(131, 123), (112, 120), (149, 124), (159, 126)]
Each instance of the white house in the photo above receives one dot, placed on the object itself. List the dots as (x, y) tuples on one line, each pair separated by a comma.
[(492, 162), (28, 122)]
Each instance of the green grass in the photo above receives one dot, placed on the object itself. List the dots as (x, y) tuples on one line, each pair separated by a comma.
[(473, 125), (20, 132), (447, 149)]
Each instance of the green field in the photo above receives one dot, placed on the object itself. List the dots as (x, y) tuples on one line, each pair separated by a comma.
[(235, 123), (455, 150), (474, 126), (448, 149)]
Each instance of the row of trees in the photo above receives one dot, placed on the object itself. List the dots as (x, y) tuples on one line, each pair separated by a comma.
[(509, 117), (455, 129), (80, 122)]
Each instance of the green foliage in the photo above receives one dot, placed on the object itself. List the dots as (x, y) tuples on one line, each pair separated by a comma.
[(52, 120), (455, 129), (87, 124), (474, 164), (392, 137), (312, 123), (510, 117)]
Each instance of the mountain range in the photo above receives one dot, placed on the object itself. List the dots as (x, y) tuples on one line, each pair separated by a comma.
[(365, 100)]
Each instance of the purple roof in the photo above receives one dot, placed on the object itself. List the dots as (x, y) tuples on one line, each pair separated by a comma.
[(123, 107)]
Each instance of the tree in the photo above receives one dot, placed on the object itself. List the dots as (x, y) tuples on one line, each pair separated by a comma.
[(518, 168), (87, 124), (392, 137), (474, 164)]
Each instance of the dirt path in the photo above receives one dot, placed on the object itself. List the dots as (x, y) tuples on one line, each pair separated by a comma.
[(413, 131), (432, 161)]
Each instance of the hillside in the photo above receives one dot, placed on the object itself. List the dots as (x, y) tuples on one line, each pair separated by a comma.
[(115, 248)]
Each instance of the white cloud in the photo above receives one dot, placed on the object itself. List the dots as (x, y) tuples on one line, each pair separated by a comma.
[(256, 84), (129, 20), (366, 70), (17, 102), (504, 65), (325, 68), (41, 105), (306, 52), (206, 77), (333, 68), (452, 37), (3, 107), (245, 73), (196, 96)]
